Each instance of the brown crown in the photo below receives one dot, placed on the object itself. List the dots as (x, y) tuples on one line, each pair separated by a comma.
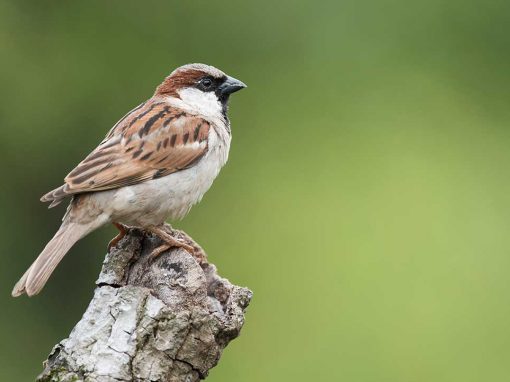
[(186, 76), (179, 80)]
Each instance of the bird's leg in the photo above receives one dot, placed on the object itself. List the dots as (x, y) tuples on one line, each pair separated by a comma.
[(122, 232), (158, 251), (169, 242)]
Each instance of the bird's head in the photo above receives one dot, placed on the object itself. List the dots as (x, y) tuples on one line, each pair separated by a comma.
[(201, 87)]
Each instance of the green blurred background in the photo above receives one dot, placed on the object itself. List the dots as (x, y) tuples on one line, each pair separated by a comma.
[(367, 197)]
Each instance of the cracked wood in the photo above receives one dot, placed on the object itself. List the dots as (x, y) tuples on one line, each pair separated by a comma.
[(166, 320)]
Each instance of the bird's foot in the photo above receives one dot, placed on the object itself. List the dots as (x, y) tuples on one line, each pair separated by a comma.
[(169, 241), (123, 229)]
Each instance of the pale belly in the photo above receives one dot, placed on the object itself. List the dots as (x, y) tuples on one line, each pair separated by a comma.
[(170, 197)]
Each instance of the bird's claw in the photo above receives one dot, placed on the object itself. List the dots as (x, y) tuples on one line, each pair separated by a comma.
[(122, 232)]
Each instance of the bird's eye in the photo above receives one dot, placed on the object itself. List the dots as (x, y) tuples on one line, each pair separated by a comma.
[(206, 83)]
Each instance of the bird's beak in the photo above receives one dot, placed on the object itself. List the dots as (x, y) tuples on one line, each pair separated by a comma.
[(231, 85)]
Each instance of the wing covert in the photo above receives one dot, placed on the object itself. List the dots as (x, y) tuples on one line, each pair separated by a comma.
[(151, 141)]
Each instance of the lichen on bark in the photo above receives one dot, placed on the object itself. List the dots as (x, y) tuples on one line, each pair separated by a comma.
[(162, 319)]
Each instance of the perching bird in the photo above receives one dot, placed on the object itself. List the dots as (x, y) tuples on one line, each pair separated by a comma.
[(154, 164)]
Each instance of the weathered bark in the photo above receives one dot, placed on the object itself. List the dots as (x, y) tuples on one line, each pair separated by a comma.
[(162, 319)]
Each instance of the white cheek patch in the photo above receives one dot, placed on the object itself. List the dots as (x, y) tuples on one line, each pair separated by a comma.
[(204, 103)]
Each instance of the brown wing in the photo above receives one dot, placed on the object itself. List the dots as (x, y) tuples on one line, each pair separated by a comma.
[(151, 141)]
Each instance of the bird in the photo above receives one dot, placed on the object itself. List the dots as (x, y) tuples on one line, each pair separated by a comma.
[(154, 164)]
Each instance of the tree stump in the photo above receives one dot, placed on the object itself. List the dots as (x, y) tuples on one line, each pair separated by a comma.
[(151, 319)]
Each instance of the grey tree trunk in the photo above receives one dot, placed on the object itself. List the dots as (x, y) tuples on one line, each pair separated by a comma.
[(166, 319)]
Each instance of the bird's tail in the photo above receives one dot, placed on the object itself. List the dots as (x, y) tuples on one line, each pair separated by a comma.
[(41, 269)]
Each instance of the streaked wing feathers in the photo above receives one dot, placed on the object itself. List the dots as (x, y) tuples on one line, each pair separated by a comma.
[(153, 140)]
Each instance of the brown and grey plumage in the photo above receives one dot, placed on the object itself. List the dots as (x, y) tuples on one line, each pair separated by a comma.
[(155, 163), (153, 140)]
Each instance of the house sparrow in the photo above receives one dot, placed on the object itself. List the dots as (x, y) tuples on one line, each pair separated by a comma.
[(154, 164)]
